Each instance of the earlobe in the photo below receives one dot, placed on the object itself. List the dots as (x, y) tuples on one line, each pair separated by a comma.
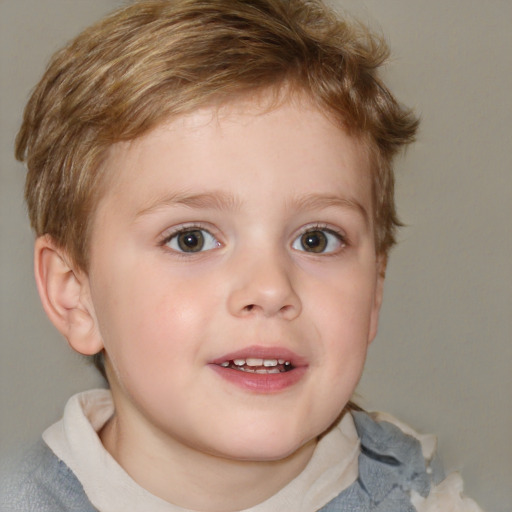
[(64, 293), (378, 296)]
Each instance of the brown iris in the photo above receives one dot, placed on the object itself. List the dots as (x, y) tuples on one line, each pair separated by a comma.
[(314, 241), (191, 241)]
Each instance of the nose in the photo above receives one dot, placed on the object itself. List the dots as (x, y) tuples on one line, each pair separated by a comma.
[(264, 285)]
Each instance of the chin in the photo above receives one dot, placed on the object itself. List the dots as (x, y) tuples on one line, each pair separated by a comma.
[(265, 449)]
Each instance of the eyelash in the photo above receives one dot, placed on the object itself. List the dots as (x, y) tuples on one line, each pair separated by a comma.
[(298, 239), (189, 228), (323, 228)]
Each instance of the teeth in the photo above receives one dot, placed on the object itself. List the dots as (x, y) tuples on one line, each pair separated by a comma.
[(272, 370), (252, 361)]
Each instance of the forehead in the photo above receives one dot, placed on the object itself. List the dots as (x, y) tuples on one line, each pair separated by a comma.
[(286, 145)]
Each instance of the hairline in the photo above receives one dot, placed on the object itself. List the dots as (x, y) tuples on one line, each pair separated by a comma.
[(270, 97)]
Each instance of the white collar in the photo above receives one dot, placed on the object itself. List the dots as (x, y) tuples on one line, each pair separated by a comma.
[(74, 440)]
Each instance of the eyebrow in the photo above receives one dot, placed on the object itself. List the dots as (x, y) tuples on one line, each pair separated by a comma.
[(217, 200), (322, 201)]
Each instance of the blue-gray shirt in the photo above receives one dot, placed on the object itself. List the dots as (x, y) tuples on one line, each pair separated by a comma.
[(391, 465)]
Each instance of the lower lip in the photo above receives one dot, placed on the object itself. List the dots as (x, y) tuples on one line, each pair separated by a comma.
[(261, 382)]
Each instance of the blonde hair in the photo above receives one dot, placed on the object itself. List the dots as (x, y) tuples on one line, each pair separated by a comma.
[(160, 58)]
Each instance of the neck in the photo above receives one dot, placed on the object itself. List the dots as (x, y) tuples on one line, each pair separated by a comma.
[(196, 480)]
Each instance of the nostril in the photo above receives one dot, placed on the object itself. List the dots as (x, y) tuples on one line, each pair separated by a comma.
[(250, 307)]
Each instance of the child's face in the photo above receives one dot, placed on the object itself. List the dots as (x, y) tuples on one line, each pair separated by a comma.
[(227, 239)]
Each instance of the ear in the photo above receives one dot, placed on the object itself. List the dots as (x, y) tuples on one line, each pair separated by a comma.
[(380, 275), (65, 295)]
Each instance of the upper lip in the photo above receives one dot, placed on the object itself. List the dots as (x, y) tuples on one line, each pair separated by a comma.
[(263, 352)]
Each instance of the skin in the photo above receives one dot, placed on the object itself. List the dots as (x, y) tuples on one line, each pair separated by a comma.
[(252, 180)]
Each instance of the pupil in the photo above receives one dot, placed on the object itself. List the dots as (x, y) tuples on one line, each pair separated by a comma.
[(191, 241), (314, 241)]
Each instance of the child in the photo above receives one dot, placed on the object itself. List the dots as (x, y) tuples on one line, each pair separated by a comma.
[(211, 185)]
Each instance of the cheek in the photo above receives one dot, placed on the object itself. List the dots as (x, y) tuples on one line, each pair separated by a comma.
[(342, 322), (150, 320), (343, 309)]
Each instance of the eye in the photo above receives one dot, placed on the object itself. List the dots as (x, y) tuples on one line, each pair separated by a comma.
[(319, 241), (191, 240)]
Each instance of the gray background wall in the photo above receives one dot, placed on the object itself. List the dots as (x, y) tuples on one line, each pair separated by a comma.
[(442, 360)]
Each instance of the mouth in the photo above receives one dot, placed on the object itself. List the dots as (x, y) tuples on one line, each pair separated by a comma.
[(258, 365), (261, 369)]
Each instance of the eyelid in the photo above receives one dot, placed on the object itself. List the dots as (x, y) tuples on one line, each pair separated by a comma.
[(174, 231), (332, 230)]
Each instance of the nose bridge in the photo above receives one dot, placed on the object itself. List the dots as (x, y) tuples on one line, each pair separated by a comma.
[(263, 284)]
